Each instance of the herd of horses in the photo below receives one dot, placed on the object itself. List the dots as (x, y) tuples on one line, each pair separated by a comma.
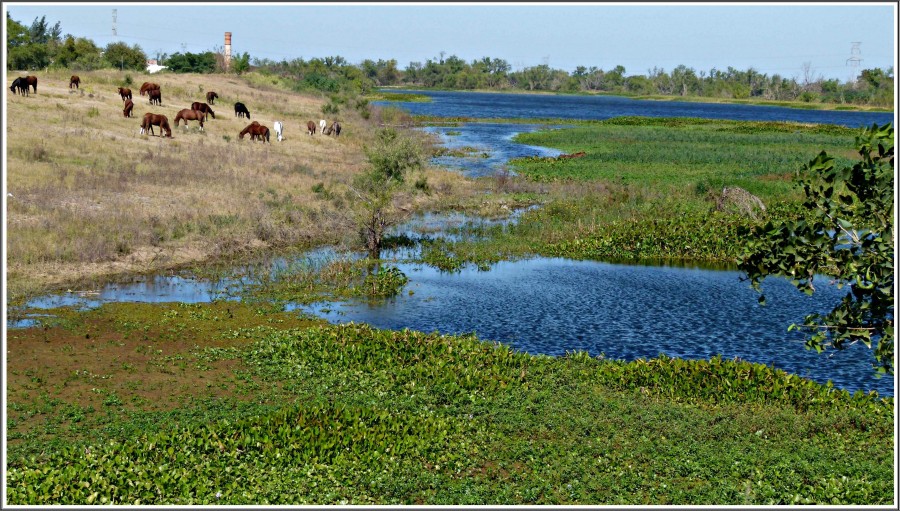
[(197, 112)]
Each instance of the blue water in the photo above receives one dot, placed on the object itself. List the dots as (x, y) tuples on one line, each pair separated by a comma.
[(551, 306), (489, 105)]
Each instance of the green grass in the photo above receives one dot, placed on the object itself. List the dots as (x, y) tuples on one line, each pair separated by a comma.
[(647, 190), (364, 416), (684, 152)]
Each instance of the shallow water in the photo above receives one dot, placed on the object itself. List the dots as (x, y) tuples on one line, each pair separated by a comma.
[(551, 306), (493, 143)]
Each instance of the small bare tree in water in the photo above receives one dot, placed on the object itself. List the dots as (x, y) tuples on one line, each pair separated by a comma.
[(390, 159)]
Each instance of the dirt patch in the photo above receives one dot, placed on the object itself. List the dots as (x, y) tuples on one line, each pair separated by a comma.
[(128, 357)]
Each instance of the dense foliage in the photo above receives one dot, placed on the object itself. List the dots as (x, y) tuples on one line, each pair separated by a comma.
[(850, 235)]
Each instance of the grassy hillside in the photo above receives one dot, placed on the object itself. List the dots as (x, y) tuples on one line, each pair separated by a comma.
[(91, 197)]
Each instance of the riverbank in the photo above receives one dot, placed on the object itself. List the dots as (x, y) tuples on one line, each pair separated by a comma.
[(391, 96), (90, 199)]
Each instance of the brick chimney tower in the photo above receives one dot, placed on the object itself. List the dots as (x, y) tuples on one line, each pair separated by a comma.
[(227, 50)]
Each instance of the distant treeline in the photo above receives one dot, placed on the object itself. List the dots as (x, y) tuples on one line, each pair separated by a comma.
[(41, 46)]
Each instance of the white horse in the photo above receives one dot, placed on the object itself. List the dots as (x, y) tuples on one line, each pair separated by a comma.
[(322, 125), (279, 130)]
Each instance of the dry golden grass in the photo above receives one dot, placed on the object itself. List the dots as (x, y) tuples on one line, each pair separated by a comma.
[(92, 198)]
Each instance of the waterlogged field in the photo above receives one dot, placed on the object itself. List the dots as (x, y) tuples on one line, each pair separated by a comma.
[(233, 403), (243, 403)]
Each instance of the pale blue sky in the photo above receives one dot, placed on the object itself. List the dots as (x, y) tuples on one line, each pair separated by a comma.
[(774, 38)]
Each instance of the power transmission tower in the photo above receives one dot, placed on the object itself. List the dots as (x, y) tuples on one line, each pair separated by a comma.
[(114, 23), (854, 61)]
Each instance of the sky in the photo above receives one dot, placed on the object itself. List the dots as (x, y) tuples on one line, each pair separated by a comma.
[(788, 39)]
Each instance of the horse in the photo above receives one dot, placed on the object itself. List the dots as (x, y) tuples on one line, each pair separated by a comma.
[(148, 86), (311, 127), (187, 114), (125, 93), (151, 120), (261, 132), (247, 130), (19, 86), (155, 96), (128, 107), (74, 82), (32, 81), (257, 132), (335, 129), (279, 130), (322, 125), (203, 107), (240, 110), (211, 98)]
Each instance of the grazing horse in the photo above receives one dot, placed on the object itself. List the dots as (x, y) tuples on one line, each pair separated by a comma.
[(147, 87), (311, 127), (240, 110), (335, 128), (261, 132), (247, 130), (128, 107), (211, 98), (279, 130), (32, 81), (322, 125), (19, 86), (151, 120), (257, 132), (125, 93), (155, 96), (74, 82), (203, 107), (187, 114)]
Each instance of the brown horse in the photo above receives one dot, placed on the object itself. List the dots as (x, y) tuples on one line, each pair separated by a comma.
[(310, 127), (150, 120), (32, 81), (247, 130), (203, 107), (257, 132), (155, 96), (187, 114), (125, 93), (148, 86), (128, 107), (261, 132), (334, 129), (211, 98), (74, 82)]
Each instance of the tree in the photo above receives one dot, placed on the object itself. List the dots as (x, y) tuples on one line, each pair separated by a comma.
[(119, 55), (16, 33), (848, 233), (390, 159)]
